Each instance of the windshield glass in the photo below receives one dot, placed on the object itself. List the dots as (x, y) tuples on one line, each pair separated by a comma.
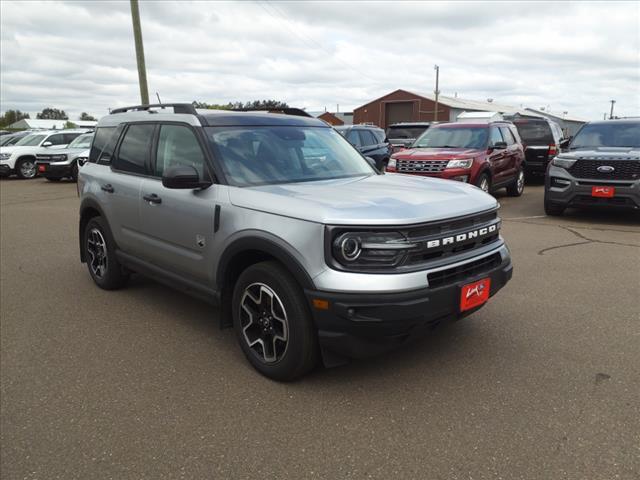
[(277, 154), (614, 134), (83, 141), (30, 140), (454, 137), (535, 133), (405, 132), (6, 139)]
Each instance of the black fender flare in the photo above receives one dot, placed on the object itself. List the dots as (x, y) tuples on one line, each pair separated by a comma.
[(88, 203)]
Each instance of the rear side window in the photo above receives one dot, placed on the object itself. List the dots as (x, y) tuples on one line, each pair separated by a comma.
[(70, 137), (535, 133), (178, 146), (103, 145), (133, 155), (57, 139)]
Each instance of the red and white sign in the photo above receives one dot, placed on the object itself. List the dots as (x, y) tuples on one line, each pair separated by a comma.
[(604, 192), (474, 294)]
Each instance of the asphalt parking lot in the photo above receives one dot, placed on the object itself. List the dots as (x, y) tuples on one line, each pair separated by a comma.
[(542, 383)]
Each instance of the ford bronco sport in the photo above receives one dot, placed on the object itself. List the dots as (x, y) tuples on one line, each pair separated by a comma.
[(309, 251)]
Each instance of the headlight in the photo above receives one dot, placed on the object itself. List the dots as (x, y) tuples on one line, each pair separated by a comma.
[(391, 163), (370, 249), (58, 158), (5, 156), (563, 162), (460, 163)]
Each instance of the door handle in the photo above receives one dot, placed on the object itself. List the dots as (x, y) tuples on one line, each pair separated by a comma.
[(152, 198), (107, 188)]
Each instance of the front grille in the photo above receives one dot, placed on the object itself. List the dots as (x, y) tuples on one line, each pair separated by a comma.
[(421, 166), (463, 272), (623, 169)]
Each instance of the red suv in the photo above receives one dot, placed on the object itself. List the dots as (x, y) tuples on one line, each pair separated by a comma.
[(488, 155)]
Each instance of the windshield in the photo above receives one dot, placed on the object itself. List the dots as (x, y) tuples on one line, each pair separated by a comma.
[(535, 133), (614, 134), (405, 132), (276, 154), (30, 140), (454, 137), (83, 141), (7, 139)]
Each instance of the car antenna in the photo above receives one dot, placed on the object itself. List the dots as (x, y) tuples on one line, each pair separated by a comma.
[(158, 95)]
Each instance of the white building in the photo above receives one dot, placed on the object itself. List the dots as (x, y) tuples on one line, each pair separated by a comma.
[(38, 124)]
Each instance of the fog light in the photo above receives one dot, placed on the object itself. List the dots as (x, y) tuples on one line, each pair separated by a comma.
[(559, 182), (461, 178)]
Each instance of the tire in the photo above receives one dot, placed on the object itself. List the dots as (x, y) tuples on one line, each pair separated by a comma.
[(516, 189), (553, 209), (279, 341), (484, 183), (100, 254), (26, 168), (74, 172)]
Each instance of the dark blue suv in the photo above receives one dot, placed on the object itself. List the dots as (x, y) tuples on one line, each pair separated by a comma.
[(371, 141)]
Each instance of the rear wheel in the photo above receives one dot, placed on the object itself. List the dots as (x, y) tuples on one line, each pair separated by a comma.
[(26, 168), (74, 171), (100, 254), (272, 322), (517, 187), (484, 183)]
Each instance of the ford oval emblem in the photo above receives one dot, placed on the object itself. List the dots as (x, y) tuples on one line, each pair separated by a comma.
[(605, 169)]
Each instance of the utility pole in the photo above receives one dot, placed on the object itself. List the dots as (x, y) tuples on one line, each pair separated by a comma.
[(611, 114), (437, 92), (137, 35)]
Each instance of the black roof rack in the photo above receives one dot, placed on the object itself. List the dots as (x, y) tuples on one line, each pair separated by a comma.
[(298, 112), (177, 108)]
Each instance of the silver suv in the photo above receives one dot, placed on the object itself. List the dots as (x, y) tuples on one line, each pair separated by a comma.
[(309, 251)]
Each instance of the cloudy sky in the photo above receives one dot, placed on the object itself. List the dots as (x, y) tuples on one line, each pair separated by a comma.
[(79, 56)]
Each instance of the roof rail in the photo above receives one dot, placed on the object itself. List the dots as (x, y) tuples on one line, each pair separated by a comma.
[(177, 108), (298, 112)]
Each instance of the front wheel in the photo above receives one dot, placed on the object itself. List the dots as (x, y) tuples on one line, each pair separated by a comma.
[(74, 172), (272, 322), (26, 168), (517, 187), (484, 183)]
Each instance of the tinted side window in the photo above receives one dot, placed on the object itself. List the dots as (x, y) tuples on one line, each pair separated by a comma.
[(133, 154), (381, 137), (69, 137), (103, 143), (367, 138), (178, 145), (535, 133), (57, 139), (496, 136), (508, 137), (354, 138)]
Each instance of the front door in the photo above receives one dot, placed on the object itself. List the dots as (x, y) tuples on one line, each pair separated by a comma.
[(498, 158), (178, 225)]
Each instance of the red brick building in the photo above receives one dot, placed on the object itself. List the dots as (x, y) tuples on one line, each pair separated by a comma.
[(330, 118)]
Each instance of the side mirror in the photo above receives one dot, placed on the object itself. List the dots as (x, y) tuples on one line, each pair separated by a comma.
[(565, 143), (81, 161), (498, 146), (47, 144), (183, 177)]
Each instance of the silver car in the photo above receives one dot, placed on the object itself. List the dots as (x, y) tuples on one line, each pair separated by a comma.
[(310, 252)]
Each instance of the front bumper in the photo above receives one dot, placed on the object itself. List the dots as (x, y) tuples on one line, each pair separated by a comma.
[(53, 170), (563, 189), (5, 169), (358, 325)]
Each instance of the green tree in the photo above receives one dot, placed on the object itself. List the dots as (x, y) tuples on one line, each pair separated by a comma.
[(69, 124), (86, 117), (251, 105), (52, 114), (12, 116)]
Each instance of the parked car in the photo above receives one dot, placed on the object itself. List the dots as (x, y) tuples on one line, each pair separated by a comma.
[(488, 155), (310, 256), (62, 163), (541, 139), (402, 135), (13, 138), (20, 159), (371, 141), (599, 167)]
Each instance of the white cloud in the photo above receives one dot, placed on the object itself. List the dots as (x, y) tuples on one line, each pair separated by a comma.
[(79, 56)]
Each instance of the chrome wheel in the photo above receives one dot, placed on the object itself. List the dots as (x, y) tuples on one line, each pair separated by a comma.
[(97, 252), (264, 322), (484, 184), (520, 182), (28, 169)]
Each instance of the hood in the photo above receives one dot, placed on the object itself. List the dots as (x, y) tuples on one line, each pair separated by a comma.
[(14, 148), (72, 152), (437, 153), (391, 199), (603, 153)]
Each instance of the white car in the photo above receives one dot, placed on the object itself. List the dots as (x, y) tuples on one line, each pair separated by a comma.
[(20, 159)]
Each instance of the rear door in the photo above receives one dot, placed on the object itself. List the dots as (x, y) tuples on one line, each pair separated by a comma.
[(121, 188), (177, 226)]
